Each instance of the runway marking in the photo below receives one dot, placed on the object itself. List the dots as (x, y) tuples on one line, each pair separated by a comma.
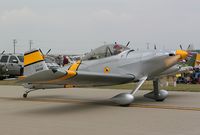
[(77, 101)]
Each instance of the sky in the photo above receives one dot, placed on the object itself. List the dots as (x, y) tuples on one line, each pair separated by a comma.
[(77, 26)]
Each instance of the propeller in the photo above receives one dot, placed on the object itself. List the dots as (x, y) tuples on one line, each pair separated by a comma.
[(188, 47), (41, 52), (155, 47), (189, 51), (181, 47), (3, 52), (48, 51), (128, 44)]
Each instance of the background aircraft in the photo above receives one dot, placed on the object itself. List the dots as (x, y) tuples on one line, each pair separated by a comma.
[(107, 65)]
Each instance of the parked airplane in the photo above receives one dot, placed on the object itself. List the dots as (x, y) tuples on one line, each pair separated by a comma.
[(107, 65)]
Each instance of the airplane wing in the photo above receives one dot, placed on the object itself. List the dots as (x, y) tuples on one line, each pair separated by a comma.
[(84, 78), (78, 78)]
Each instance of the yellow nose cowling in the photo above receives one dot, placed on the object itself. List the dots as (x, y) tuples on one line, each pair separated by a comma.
[(183, 54)]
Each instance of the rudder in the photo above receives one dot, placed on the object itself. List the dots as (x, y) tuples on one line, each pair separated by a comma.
[(34, 62)]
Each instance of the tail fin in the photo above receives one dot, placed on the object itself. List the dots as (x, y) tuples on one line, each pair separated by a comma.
[(34, 62)]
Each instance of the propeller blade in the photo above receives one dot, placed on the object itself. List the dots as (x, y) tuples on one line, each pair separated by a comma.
[(41, 52), (3, 52), (188, 47), (48, 51), (181, 47), (128, 44), (155, 48)]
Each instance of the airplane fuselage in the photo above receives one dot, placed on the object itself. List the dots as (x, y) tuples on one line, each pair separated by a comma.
[(130, 63)]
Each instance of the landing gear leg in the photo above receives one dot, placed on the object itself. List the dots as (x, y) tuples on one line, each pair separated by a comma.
[(26, 93), (156, 94), (125, 99)]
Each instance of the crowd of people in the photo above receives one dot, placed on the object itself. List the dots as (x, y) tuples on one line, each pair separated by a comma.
[(193, 77)]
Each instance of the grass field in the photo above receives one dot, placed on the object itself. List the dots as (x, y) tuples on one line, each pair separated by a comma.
[(146, 86), (149, 86)]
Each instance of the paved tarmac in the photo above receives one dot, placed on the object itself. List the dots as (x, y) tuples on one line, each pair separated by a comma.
[(89, 112)]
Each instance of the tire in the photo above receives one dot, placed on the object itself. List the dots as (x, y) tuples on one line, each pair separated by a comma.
[(1, 77)]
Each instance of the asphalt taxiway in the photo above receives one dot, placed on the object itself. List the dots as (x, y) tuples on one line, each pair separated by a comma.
[(89, 112)]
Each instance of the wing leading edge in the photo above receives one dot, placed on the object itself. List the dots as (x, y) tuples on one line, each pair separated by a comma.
[(79, 78)]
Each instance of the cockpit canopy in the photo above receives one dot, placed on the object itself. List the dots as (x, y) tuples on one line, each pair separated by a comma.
[(105, 51)]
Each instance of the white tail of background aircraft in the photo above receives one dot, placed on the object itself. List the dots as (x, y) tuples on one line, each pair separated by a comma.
[(34, 62)]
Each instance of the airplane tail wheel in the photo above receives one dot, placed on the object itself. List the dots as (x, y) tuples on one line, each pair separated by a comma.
[(25, 95)]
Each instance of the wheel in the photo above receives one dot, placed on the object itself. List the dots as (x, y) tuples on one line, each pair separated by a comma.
[(2, 77), (25, 95), (126, 105), (160, 100)]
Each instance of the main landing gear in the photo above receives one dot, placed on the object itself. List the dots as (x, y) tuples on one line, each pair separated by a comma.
[(156, 94), (125, 99)]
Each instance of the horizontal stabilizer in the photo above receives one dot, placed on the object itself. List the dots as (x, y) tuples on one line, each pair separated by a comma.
[(43, 76)]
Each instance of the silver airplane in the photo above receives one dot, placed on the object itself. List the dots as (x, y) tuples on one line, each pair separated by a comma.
[(107, 65)]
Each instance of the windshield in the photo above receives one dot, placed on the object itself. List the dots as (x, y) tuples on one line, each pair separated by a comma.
[(21, 58), (4, 59), (105, 51)]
